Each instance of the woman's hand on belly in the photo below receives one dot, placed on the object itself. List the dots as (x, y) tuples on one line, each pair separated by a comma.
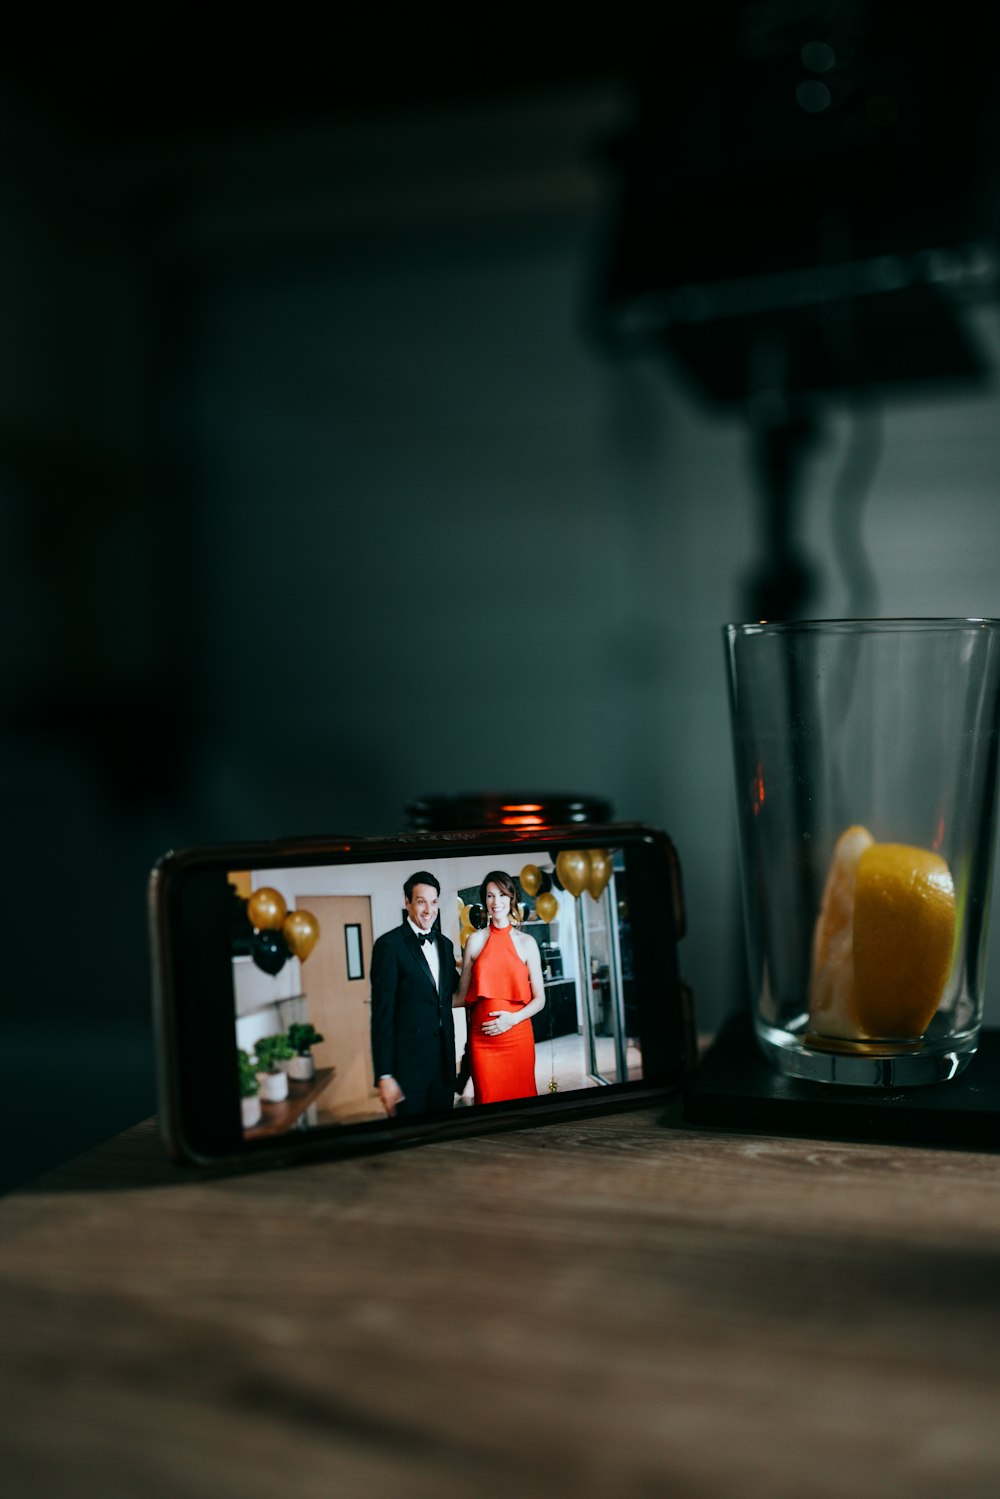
[(500, 1021)]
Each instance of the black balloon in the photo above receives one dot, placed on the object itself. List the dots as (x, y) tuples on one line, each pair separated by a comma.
[(269, 951), (477, 917), (546, 884)]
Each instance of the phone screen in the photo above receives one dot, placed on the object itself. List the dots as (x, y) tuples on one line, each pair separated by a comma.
[(448, 981), (358, 966)]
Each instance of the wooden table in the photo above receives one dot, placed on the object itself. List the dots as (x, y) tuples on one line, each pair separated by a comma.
[(615, 1308)]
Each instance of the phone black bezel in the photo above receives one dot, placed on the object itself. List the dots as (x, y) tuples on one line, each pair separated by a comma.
[(196, 1058)]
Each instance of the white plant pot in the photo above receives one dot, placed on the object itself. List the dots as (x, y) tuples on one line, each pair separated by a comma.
[(302, 1069), (251, 1111), (273, 1086)]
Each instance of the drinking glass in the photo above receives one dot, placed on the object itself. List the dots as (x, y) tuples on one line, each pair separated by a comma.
[(865, 755)]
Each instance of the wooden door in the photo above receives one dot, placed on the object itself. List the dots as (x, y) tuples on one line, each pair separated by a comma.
[(339, 1006)]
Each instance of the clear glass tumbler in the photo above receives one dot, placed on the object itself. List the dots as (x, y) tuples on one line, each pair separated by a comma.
[(865, 754)]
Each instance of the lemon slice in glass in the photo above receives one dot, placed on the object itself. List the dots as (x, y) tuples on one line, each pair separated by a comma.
[(883, 940), (904, 934)]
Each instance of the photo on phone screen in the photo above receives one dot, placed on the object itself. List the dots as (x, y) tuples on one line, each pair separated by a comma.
[(408, 988)]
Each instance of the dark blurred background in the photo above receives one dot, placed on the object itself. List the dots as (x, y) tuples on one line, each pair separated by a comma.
[(388, 406)]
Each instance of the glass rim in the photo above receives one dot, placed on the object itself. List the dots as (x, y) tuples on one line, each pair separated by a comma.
[(875, 625)]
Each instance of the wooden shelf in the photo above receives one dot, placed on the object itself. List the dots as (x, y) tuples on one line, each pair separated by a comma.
[(279, 1118)]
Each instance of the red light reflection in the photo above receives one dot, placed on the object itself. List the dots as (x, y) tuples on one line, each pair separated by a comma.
[(757, 790)]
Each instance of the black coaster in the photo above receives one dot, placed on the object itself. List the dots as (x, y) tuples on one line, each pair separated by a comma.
[(736, 1088)]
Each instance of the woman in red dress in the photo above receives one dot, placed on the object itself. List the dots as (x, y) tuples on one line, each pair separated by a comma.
[(503, 987)]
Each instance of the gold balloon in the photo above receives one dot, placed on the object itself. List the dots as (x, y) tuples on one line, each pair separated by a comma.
[(465, 931), (301, 932), (547, 906), (463, 914), (600, 871), (531, 879), (266, 909), (573, 868)]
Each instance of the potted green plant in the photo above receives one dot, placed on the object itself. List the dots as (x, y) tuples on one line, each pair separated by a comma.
[(249, 1089), (273, 1079), (302, 1037)]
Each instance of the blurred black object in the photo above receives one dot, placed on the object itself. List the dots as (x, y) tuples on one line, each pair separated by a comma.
[(174, 67), (505, 809), (805, 204), (806, 195), (734, 1088)]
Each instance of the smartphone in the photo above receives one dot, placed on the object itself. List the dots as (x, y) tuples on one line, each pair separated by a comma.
[(332, 995)]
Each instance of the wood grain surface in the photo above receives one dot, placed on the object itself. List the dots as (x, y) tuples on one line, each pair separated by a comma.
[(618, 1307)]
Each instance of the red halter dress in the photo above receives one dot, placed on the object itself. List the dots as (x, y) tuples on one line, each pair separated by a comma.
[(502, 1066)]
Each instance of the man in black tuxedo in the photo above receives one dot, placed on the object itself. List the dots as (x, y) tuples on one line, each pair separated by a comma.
[(413, 1034)]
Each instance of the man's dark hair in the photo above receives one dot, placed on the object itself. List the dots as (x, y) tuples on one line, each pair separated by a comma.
[(420, 878)]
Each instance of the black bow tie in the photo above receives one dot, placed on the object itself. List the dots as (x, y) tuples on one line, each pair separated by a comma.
[(423, 937)]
